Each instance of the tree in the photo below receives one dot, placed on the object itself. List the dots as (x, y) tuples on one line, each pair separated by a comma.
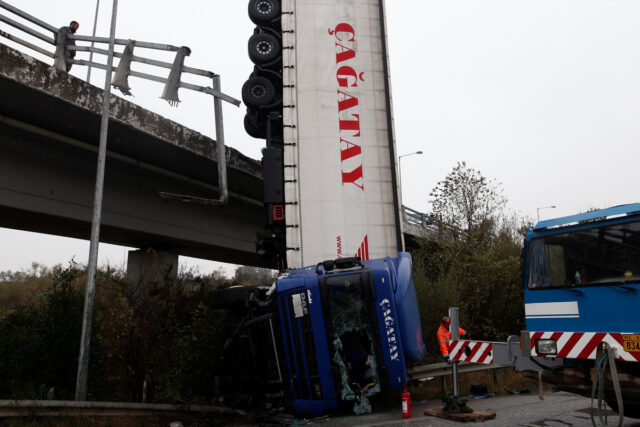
[(479, 273), (465, 199)]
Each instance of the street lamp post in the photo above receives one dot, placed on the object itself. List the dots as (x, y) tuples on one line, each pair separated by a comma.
[(87, 317), (544, 207), (400, 169), (95, 23)]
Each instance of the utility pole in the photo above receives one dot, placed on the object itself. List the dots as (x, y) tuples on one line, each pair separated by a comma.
[(87, 318), (95, 23)]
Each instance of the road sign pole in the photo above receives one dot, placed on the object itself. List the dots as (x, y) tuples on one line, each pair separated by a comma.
[(83, 359), (222, 158), (95, 24), (455, 335)]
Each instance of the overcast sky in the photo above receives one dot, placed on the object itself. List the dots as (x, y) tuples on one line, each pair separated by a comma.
[(540, 95)]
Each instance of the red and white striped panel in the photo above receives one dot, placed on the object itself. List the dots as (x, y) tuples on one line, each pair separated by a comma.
[(583, 345), (363, 250), (480, 351)]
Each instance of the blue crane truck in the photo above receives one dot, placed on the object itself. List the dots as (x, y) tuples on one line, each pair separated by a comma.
[(581, 276), (582, 289), (336, 334)]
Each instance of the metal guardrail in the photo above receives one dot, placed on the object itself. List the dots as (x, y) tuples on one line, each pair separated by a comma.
[(415, 217), (61, 408), (441, 369), (430, 222), (123, 70), (21, 408)]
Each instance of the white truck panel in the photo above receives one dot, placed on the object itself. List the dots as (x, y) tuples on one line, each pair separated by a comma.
[(341, 189)]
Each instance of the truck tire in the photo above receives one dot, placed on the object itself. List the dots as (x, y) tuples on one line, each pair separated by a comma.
[(255, 130), (263, 11), (258, 91), (263, 48), (231, 297)]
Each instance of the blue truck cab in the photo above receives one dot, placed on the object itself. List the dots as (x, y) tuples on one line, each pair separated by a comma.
[(349, 327), (343, 332)]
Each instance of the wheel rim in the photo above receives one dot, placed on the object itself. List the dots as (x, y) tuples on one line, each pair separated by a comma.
[(263, 47), (264, 7), (258, 91)]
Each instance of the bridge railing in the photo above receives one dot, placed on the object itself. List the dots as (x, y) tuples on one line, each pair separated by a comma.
[(123, 71), (420, 219), (429, 222), (27, 30)]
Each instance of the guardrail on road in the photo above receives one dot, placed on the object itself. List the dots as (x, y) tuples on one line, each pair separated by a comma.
[(441, 369), (21, 408)]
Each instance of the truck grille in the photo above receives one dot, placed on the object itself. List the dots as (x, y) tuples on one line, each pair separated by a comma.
[(299, 348)]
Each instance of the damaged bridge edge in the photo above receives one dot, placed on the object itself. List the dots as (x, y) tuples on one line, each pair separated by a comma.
[(36, 75)]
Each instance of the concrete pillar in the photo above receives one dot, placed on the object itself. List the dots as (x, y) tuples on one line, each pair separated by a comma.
[(150, 266)]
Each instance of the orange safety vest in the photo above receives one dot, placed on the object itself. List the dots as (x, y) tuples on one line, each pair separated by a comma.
[(444, 336)]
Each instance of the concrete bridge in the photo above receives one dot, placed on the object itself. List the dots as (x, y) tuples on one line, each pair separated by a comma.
[(49, 130)]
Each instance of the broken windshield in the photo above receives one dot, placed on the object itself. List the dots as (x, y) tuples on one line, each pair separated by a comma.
[(608, 254), (351, 334)]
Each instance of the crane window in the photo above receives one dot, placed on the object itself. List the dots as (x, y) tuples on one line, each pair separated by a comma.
[(602, 255)]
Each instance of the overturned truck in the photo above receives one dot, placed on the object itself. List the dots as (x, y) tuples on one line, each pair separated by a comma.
[(337, 334)]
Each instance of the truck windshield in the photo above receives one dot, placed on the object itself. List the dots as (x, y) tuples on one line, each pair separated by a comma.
[(350, 333), (608, 254)]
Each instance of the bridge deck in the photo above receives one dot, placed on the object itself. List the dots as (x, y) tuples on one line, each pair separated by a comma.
[(49, 133)]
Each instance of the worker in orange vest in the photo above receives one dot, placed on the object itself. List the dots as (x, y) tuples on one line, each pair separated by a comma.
[(444, 336)]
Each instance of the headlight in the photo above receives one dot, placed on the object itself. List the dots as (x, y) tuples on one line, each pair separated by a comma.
[(546, 346)]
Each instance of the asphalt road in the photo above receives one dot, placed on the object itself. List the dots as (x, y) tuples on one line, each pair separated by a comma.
[(526, 410)]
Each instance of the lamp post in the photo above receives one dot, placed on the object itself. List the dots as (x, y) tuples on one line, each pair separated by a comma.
[(544, 207), (92, 264), (95, 23), (400, 168)]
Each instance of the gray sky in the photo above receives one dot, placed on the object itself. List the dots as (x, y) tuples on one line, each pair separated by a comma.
[(540, 95)]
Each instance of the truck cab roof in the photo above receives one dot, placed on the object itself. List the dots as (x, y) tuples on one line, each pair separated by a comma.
[(615, 211)]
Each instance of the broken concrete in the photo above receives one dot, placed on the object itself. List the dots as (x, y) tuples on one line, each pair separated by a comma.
[(37, 75)]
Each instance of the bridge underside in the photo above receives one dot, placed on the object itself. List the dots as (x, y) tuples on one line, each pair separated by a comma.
[(47, 186), (49, 133)]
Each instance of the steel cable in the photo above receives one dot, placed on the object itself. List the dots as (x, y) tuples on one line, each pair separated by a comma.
[(605, 356)]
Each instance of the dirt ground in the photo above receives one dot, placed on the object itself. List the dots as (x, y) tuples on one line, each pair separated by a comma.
[(497, 381), (133, 421)]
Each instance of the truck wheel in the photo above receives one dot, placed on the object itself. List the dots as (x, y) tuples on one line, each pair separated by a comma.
[(263, 48), (232, 297), (263, 11), (258, 91), (254, 130)]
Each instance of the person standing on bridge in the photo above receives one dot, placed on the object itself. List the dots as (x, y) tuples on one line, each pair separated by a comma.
[(444, 336), (71, 29)]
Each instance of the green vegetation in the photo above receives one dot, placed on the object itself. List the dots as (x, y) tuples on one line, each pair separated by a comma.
[(171, 338), (472, 262), (168, 337)]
